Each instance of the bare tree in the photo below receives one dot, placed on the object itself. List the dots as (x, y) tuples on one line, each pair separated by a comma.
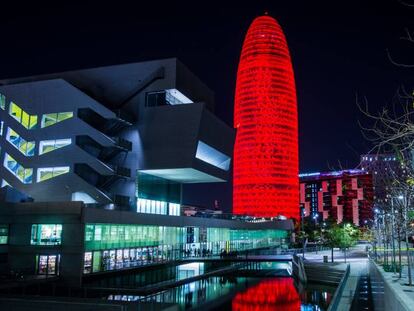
[(391, 130)]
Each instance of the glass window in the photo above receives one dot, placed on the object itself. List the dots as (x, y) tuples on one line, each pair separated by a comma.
[(4, 234), (22, 117), (48, 264), (2, 102), (15, 111), (25, 175), (87, 264), (46, 173), (46, 146), (46, 234), (53, 118), (25, 147)]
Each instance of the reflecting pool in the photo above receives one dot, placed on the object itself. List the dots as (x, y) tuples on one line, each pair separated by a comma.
[(240, 293)]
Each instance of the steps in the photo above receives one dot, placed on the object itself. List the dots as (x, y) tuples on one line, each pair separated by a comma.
[(326, 273)]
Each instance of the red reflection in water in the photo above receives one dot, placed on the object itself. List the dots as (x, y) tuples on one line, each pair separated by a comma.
[(273, 294)]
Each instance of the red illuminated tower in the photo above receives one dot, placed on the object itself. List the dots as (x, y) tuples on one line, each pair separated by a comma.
[(265, 179)]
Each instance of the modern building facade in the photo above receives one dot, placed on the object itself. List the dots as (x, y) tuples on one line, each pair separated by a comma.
[(126, 136), (92, 168), (73, 240), (344, 196), (265, 179), (385, 169)]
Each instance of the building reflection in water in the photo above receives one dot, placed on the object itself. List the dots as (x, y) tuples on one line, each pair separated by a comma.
[(270, 294)]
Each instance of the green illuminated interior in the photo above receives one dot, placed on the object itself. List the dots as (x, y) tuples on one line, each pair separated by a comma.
[(46, 234), (113, 246), (4, 234)]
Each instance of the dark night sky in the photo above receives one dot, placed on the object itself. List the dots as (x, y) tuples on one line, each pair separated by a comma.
[(337, 48)]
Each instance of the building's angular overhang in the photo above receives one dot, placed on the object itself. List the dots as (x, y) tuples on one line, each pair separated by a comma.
[(196, 147)]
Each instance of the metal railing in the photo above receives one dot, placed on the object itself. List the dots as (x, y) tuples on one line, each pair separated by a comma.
[(339, 291)]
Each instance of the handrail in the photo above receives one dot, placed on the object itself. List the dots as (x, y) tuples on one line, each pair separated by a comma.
[(339, 290)]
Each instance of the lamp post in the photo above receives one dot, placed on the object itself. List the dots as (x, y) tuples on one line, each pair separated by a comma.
[(392, 234), (377, 240), (302, 216)]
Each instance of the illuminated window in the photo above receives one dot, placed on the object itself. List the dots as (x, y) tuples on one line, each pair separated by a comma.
[(156, 207), (25, 147), (212, 156), (2, 102), (22, 117), (25, 175), (46, 234), (4, 234), (174, 209), (53, 118), (46, 146), (4, 183), (51, 172), (1, 128)]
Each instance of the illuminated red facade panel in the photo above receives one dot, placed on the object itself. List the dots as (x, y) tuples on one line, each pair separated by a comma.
[(344, 196), (265, 181)]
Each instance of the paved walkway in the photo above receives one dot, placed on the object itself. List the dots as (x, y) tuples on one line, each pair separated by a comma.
[(357, 258)]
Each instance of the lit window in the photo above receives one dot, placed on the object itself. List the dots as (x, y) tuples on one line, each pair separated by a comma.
[(53, 118), (25, 147), (25, 175), (46, 146), (4, 234), (46, 234), (2, 102), (22, 117), (1, 128), (212, 156), (4, 183), (51, 172)]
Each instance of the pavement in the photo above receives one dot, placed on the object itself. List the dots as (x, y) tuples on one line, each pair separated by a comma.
[(358, 260)]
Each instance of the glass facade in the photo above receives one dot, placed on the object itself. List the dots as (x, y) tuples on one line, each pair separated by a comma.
[(112, 246), (158, 207), (46, 234), (159, 189)]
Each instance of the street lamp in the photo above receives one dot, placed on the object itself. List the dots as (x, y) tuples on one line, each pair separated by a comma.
[(303, 214)]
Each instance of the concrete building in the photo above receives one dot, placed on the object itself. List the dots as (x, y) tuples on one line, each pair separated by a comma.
[(341, 195), (128, 135)]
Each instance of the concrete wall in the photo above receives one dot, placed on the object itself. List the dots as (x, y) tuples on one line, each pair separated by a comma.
[(388, 295)]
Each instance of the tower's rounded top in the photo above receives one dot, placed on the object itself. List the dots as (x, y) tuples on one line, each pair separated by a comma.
[(264, 36)]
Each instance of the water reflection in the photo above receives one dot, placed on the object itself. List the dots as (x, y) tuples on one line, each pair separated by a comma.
[(240, 293), (269, 294)]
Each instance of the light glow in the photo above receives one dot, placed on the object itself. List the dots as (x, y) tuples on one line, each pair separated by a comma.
[(266, 171)]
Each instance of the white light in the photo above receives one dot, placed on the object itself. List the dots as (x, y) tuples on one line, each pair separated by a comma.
[(212, 156)]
